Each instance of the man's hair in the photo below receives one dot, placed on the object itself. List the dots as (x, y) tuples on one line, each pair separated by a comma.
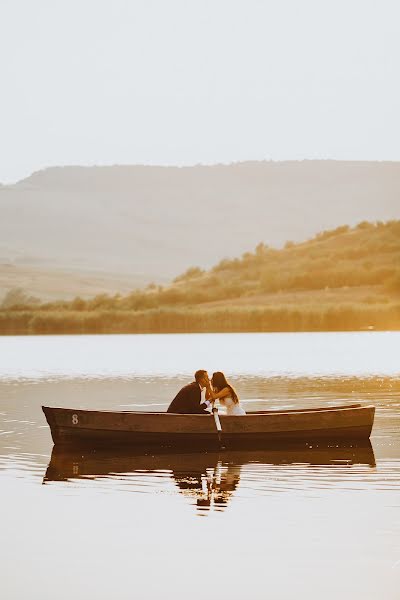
[(199, 374)]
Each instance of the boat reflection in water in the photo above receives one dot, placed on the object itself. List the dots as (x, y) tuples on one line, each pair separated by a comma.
[(208, 480)]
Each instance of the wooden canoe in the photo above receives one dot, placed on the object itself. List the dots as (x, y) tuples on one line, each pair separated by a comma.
[(99, 429)]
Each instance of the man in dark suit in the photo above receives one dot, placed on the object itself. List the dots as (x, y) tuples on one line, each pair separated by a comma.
[(191, 399)]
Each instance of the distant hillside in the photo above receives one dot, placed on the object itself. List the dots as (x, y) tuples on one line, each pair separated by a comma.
[(341, 279), (52, 284), (152, 223), (345, 258)]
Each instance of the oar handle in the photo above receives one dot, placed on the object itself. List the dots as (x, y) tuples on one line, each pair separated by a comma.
[(218, 426), (216, 419)]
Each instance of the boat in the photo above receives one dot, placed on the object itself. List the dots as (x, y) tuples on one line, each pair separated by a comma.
[(102, 428)]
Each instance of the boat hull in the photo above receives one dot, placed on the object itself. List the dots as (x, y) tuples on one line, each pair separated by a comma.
[(99, 429)]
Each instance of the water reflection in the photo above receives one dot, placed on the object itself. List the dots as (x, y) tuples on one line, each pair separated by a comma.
[(208, 480), (209, 486)]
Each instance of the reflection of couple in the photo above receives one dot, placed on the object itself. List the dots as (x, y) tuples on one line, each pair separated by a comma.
[(210, 483), (199, 397)]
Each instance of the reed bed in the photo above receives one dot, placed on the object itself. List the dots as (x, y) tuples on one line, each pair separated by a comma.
[(179, 320)]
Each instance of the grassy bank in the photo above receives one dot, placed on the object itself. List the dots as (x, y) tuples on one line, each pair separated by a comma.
[(340, 280), (234, 319)]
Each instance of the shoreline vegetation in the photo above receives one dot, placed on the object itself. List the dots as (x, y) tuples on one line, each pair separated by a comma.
[(346, 279)]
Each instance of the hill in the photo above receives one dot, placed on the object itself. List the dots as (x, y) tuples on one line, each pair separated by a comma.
[(52, 284), (150, 223), (341, 279)]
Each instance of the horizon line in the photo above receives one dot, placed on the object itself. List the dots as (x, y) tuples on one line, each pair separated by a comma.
[(192, 165)]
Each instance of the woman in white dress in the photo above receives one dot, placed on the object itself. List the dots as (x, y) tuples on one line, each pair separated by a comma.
[(221, 390)]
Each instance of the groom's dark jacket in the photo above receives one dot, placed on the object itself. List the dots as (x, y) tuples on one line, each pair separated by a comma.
[(187, 401)]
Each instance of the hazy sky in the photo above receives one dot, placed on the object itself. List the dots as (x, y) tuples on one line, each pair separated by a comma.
[(184, 81)]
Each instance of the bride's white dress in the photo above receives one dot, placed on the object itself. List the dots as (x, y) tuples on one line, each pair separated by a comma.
[(232, 408)]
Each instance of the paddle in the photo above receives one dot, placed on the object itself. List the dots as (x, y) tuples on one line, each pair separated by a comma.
[(218, 426)]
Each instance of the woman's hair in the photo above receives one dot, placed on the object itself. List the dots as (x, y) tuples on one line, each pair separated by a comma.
[(219, 382)]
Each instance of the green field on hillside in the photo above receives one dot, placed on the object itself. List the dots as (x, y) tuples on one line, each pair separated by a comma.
[(342, 279)]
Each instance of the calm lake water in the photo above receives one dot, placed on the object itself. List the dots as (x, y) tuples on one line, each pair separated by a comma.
[(310, 522)]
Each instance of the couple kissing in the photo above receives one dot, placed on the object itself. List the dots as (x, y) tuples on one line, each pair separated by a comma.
[(199, 397)]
